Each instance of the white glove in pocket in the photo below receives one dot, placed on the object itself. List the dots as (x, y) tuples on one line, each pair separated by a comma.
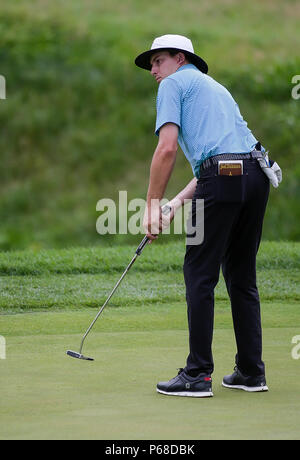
[(273, 172)]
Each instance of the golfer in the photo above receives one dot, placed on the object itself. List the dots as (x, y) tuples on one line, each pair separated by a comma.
[(202, 116)]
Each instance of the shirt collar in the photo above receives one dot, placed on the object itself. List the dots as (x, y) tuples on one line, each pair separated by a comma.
[(187, 66)]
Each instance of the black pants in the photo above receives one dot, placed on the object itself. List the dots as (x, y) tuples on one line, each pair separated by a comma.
[(232, 233)]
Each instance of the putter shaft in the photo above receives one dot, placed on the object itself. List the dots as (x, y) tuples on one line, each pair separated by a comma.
[(165, 210), (111, 294)]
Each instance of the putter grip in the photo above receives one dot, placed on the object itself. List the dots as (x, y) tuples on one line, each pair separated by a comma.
[(142, 245), (165, 210)]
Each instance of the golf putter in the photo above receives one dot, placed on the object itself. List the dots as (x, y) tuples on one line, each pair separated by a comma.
[(74, 354)]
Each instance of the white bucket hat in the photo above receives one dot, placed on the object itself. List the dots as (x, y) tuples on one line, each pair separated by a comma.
[(174, 42)]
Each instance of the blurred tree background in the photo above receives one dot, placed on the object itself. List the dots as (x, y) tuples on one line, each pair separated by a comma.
[(77, 124)]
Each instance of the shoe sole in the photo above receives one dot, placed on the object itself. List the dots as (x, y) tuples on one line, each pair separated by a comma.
[(245, 388), (194, 394)]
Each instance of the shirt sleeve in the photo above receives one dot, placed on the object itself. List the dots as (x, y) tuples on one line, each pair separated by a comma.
[(168, 104)]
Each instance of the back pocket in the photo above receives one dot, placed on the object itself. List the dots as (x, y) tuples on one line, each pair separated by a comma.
[(230, 189)]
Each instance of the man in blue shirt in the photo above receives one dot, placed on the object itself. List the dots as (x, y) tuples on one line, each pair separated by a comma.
[(201, 115), (207, 116)]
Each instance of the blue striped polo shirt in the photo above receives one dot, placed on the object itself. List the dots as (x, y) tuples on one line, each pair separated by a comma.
[(209, 119)]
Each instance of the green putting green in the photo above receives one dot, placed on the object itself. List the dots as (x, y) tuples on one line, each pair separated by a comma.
[(47, 395)]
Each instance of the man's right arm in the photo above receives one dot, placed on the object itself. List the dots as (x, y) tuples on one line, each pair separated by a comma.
[(185, 194), (177, 202)]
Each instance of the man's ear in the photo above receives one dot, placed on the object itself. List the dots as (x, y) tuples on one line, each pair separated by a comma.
[(180, 58)]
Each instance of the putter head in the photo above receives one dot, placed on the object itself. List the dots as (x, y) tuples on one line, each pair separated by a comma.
[(75, 354)]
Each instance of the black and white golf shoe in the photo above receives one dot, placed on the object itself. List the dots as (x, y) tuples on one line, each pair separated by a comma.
[(241, 382), (185, 385)]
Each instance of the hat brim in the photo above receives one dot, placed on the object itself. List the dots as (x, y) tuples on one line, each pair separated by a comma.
[(143, 60)]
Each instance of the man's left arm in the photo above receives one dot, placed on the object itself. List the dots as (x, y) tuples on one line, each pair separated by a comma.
[(162, 165)]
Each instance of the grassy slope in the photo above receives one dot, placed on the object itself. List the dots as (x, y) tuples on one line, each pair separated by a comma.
[(77, 124), (83, 277)]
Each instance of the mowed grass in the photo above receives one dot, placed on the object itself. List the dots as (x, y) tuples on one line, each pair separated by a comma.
[(49, 298)]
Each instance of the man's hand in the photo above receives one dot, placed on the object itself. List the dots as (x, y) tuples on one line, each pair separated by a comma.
[(152, 220), (157, 219)]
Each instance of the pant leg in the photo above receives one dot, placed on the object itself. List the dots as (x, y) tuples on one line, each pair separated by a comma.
[(201, 273), (239, 270)]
